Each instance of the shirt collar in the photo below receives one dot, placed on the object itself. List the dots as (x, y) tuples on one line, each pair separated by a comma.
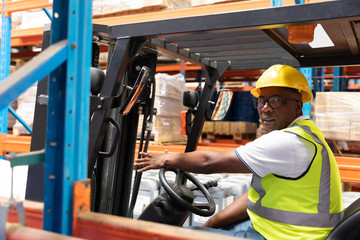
[(303, 117)]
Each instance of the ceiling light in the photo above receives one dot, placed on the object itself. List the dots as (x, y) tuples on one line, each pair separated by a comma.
[(321, 39)]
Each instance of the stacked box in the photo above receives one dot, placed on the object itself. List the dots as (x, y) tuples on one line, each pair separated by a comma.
[(337, 114), (25, 110), (30, 19), (113, 7), (11, 118), (168, 103), (97, 7), (355, 130), (195, 3), (15, 64)]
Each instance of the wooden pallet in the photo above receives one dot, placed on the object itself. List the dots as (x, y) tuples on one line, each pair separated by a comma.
[(236, 136), (237, 130)]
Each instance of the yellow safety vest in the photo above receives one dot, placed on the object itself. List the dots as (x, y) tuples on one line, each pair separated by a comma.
[(307, 207)]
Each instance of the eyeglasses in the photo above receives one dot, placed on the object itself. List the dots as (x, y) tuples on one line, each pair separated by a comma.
[(274, 102)]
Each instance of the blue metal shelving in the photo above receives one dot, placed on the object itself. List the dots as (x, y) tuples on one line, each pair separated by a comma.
[(67, 61), (338, 82), (4, 64)]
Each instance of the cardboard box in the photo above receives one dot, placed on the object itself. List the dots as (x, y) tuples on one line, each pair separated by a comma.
[(334, 129), (355, 131), (168, 102), (195, 3), (103, 8), (337, 114)]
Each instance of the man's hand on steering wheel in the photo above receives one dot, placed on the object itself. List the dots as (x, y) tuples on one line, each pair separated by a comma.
[(150, 161)]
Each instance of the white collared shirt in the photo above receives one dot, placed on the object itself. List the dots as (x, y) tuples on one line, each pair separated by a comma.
[(278, 152)]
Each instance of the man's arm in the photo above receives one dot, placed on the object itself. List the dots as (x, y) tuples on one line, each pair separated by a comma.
[(197, 162), (235, 212)]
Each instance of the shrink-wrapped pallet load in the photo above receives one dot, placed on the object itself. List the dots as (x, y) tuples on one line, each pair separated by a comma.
[(25, 110), (168, 102), (337, 114), (103, 8)]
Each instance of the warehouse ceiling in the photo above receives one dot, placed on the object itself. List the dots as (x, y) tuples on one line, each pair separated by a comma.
[(253, 39)]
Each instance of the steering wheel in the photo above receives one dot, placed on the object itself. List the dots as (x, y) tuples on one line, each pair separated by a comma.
[(202, 209)]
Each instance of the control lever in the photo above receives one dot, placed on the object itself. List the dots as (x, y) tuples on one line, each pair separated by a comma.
[(207, 185)]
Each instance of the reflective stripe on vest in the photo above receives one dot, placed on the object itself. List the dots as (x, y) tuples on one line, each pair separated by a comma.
[(322, 219)]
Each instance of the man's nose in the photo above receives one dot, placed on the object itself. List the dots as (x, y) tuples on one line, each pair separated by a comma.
[(266, 107)]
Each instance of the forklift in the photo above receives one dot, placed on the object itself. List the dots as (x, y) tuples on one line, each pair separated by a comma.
[(117, 98), (127, 90), (113, 136)]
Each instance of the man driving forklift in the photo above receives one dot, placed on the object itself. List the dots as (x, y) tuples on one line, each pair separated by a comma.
[(296, 190)]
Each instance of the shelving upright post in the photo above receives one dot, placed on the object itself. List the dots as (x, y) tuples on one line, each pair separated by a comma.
[(5, 49), (66, 144), (339, 83)]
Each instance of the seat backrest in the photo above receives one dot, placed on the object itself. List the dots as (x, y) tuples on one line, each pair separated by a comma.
[(349, 227)]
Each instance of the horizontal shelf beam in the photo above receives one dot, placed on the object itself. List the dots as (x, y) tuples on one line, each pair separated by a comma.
[(10, 143), (24, 5), (349, 169), (177, 68), (33, 36), (26, 37)]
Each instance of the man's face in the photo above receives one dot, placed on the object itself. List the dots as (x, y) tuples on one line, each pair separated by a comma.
[(280, 117)]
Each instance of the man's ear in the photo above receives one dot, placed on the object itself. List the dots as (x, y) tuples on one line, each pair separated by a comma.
[(299, 107)]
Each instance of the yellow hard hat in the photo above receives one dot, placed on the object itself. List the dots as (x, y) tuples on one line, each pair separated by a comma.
[(284, 76)]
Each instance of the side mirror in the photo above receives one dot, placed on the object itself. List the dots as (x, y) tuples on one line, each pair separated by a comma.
[(190, 99), (222, 105), (136, 90)]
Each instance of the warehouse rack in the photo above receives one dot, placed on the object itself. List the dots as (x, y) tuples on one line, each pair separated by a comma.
[(68, 107), (265, 28), (8, 142), (6, 40)]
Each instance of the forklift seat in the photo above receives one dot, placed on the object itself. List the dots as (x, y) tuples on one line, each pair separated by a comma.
[(349, 227)]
